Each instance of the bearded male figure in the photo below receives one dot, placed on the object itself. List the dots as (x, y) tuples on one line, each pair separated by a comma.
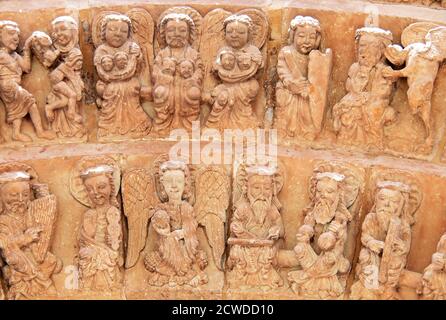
[(256, 227), (28, 213), (386, 239)]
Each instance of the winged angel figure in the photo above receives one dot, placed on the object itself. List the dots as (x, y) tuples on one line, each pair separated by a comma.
[(176, 202)]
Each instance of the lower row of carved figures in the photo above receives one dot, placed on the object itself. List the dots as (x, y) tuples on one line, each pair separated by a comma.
[(172, 200), (218, 67)]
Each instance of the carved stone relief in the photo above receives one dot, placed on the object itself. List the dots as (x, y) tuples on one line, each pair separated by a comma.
[(27, 222), (166, 197), (386, 236), (95, 182), (177, 71), (119, 62), (255, 229), (17, 100), (321, 240), (304, 73), (237, 61)]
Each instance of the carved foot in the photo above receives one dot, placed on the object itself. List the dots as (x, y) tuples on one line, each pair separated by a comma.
[(49, 113), (48, 135), (21, 137)]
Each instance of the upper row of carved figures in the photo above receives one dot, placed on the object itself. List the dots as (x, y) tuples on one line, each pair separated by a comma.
[(215, 62), (169, 202), (429, 3)]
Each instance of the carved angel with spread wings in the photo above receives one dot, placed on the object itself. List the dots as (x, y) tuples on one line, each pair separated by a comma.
[(165, 196)]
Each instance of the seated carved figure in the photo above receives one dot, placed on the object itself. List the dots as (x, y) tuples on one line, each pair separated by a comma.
[(359, 118), (422, 64), (319, 275), (434, 276), (236, 65), (386, 238), (177, 84), (117, 60), (178, 258), (322, 238), (303, 73), (256, 228), (26, 227), (95, 183)]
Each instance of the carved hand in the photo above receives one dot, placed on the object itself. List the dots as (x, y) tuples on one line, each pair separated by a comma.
[(376, 245), (399, 247), (33, 233), (438, 260), (178, 234), (390, 73), (274, 233)]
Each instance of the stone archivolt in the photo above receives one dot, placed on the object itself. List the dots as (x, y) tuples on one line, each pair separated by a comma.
[(155, 227)]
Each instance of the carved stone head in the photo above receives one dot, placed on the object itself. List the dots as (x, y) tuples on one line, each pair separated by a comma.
[(174, 181), (305, 34), (177, 29), (390, 198), (328, 194), (116, 29), (15, 192), (9, 35), (238, 29), (99, 184), (64, 33), (371, 45)]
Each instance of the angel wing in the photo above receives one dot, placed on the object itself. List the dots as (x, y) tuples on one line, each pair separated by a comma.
[(212, 201), (143, 29), (212, 40), (139, 198), (42, 213), (261, 26)]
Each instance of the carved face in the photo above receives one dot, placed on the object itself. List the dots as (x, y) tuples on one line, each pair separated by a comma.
[(237, 34), (116, 33), (327, 197), (370, 50), (227, 60), (98, 189), (169, 66), (107, 63), (63, 34), (260, 188), (9, 38), (177, 33), (15, 196), (121, 60), (327, 189), (173, 182), (389, 202), (186, 69), (306, 39)]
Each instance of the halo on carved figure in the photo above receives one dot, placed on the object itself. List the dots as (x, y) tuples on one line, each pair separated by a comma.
[(17, 171), (93, 165), (162, 164), (143, 31), (244, 171), (192, 17), (299, 21), (384, 35), (351, 178), (398, 180), (416, 32), (260, 26), (96, 26)]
